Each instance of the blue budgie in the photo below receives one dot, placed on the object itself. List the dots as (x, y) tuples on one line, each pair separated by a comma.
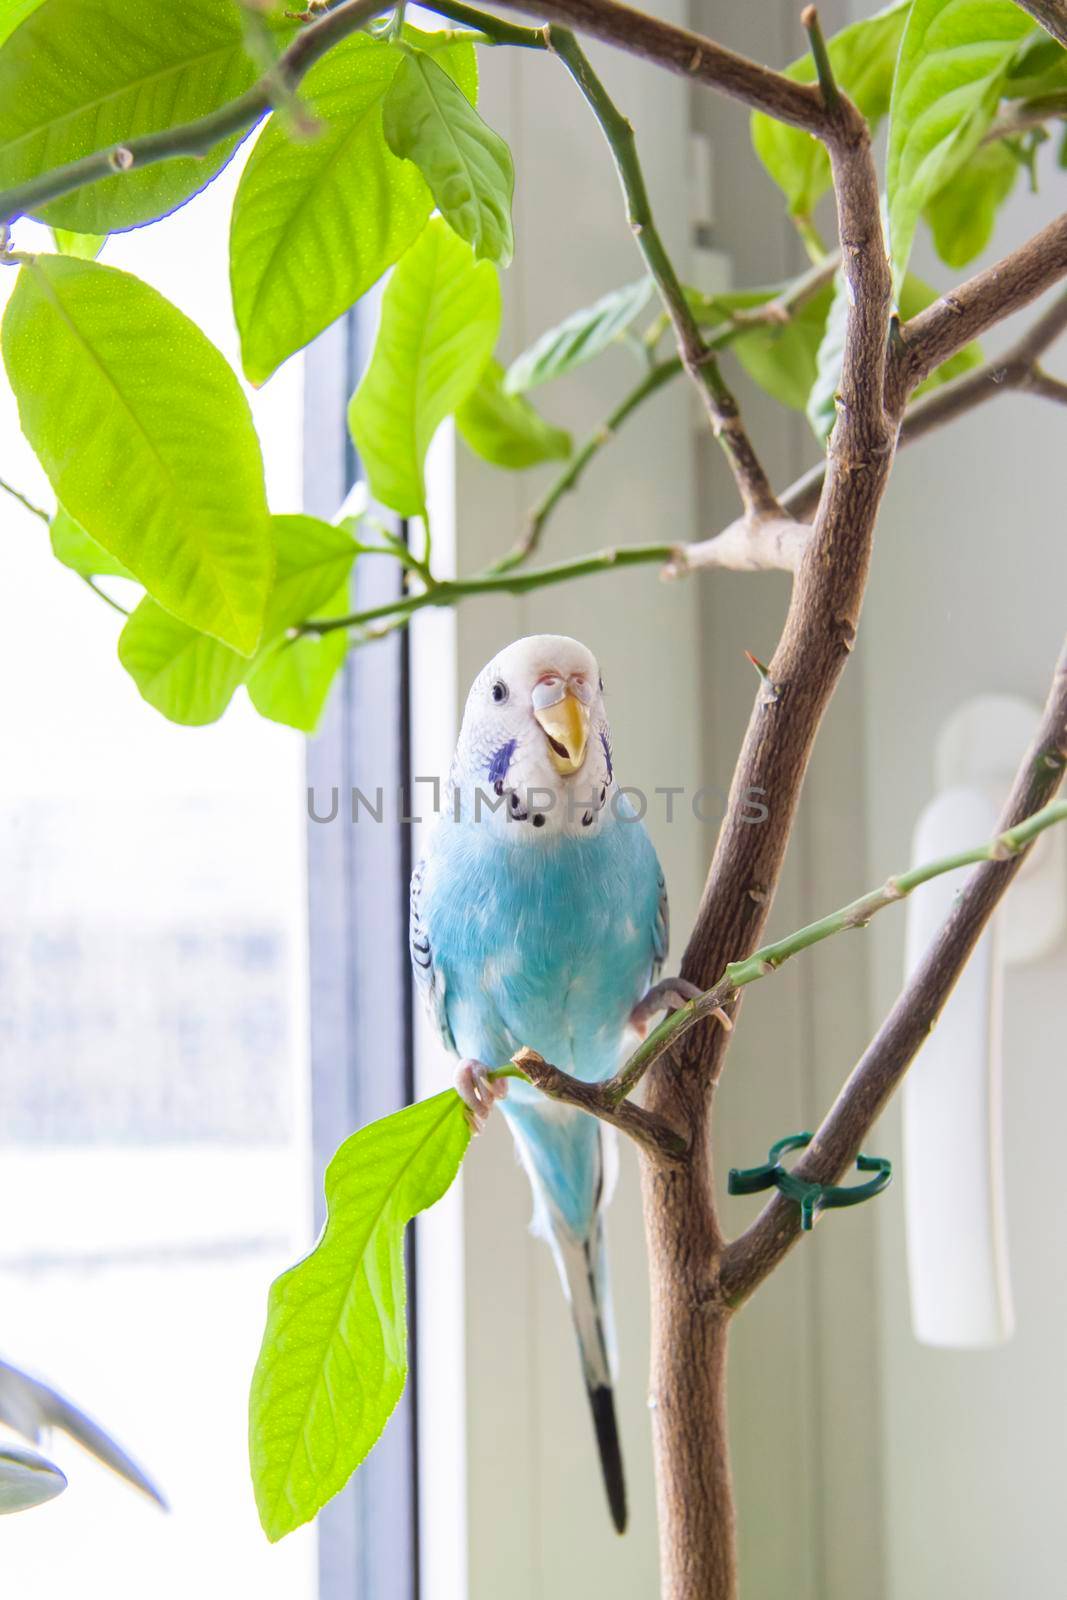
[(539, 918)]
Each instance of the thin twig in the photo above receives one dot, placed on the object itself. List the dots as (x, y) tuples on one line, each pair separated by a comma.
[(609, 1098), (1052, 15), (17, 494), (824, 72), (198, 137), (759, 1249), (698, 358), (103, 594)]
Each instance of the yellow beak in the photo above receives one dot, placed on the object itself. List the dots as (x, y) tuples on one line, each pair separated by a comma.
[(566, 727)]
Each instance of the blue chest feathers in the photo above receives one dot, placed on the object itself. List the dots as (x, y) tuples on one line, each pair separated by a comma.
[(547, 944)]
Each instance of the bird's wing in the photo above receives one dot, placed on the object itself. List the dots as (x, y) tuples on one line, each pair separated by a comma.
[(661, 929), (31, 1407), (428, 978)]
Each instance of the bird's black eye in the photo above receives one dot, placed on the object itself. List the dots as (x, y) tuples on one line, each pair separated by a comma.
[(500, 691)]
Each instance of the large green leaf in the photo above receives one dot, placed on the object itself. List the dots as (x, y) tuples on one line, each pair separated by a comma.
[(504, 429), (963, 214), (429, 120), (333, 1361), (954, 57), (291, 679), (578, 338), (181, 672), (191, 678), (85, 75), (439, 322), (863, 57), (73, 546), (12, 13), (317, 221), (915, 296), (146, 437)]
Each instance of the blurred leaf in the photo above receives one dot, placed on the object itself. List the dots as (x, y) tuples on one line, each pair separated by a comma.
[(504, 429), (27, 1479), (317, 221), (84, 75), (291, 679), (181, 672), (915, 296), (146, 437), (711, 310), (954, 57), (333, 1361), (580, 337), (439, 323), (86, 246), (963, 214), (73, 546), (429, 120), (863, 57), (782, 357), (1040, 68), (314, 560)]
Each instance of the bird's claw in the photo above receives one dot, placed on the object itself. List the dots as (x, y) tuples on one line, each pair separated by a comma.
[(478, 1092), (667, 995)]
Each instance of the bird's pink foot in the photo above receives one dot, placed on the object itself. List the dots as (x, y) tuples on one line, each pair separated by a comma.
[(478, 1091), (667, 995)]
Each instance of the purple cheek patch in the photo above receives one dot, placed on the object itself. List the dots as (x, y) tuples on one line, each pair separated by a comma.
[(498, 766)]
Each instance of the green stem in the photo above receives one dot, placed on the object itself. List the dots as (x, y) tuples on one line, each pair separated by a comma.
[(569, 477), (779, 310), (448, 591), (103, 595), (824, 71), (17, 494), (757, 497), (492, 29), (196, 138), (763, 962)]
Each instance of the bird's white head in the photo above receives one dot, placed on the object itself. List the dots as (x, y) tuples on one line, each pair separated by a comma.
[(534, 751)]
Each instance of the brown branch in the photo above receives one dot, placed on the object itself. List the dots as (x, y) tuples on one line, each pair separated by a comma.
[(1017, 370), (1052, 15), (695, 57), (966, 312), (654, 1134), (757, 1251)]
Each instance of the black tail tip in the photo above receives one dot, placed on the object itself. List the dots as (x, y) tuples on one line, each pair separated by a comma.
[(602, 1402)]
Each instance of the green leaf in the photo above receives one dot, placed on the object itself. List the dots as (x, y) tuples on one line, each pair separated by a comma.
[(316, 222), (915, 296), (1040, 68), (439, 322), (146, 437), (430, 121), (291, 679), (181, 672), (14, 12), (963, 214), (84, 75), (314, 560), (783, 357), (86, 246), (580, 337), (954, 57), (73, 546), (504, 429), (863, 57), (333, 1361)]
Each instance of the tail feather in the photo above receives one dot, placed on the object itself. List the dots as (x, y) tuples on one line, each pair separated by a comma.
[(584, 1269)]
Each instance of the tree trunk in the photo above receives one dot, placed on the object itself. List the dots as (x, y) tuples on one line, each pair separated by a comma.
[(687, 1391)]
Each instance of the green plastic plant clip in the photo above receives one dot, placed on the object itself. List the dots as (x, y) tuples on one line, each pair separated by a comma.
[(810, 1197)]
